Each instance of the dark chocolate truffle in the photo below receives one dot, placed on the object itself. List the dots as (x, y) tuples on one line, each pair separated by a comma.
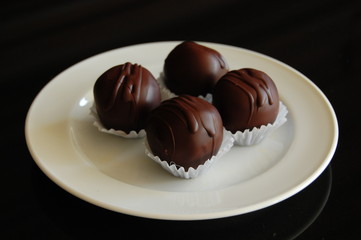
[(246, 98), (185, 130), (193, 69), (124, 95)]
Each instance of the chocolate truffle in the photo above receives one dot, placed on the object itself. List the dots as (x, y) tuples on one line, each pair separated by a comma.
[(246, 98), (124, 95), (193, 69), (185, 130)]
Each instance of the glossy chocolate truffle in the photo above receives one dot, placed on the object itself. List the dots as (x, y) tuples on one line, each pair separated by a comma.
[(124, 95), (246, 98), (193, 69), (185, 130)]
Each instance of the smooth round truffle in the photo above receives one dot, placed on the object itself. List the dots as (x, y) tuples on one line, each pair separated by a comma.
[(246, 98), (185, 130), (124, 95), (193, 69)]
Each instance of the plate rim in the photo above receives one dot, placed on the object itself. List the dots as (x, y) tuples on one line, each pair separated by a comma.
[(202, 216)]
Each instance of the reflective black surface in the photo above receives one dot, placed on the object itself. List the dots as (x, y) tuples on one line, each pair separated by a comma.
[(40, 38), (282, 221)]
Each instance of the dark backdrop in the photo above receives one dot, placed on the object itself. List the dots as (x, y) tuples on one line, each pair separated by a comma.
[(39, 39)]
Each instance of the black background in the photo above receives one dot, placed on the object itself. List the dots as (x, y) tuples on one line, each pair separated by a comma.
[(39, 39)]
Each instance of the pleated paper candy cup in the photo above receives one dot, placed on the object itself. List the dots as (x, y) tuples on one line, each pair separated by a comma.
[(256, 135), (97, 123), (179, 171)]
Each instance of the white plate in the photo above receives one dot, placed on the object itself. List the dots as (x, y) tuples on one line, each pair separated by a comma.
[(114, 173)]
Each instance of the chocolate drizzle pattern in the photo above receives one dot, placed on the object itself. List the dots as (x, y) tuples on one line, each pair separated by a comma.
[(257, 99), (185, 130), (124, 95), (131, 79), (187, 108), (127, 86), (255, 85)]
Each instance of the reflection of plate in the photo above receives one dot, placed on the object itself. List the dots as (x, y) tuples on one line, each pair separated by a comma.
[(114, 173)]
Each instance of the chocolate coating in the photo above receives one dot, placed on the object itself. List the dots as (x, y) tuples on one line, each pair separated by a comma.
[(124, 95), (185, 130), (193, 69), (246, 98)]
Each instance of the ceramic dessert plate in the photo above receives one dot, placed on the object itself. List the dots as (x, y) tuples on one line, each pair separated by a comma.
[(114, 173)]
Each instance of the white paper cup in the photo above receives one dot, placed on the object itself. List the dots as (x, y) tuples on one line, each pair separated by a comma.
[(254, 136), (97, 123), (180, 172)]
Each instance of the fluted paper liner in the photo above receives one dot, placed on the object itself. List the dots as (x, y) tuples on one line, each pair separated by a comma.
[(254, 136), (180, 172), (97, 123)]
